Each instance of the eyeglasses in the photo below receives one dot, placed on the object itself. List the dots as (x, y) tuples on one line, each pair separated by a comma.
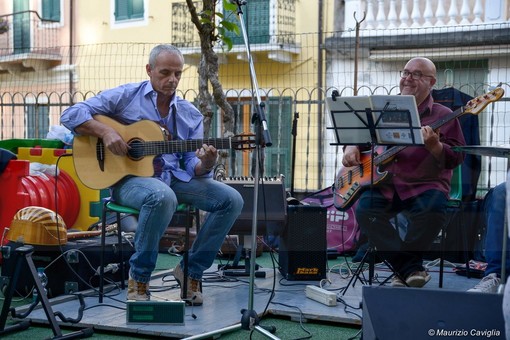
[(416, 75)]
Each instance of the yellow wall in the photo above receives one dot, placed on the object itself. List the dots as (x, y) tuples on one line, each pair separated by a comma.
[(94, 23)]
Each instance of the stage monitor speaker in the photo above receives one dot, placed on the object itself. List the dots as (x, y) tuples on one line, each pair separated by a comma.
[(303, 245), (271, 205), (417, 314)]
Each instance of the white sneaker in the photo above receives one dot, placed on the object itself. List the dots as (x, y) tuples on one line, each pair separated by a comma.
[(488, 284)]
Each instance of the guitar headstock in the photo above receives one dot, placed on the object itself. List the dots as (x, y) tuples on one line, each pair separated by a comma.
[(244, 141), (476, 105)]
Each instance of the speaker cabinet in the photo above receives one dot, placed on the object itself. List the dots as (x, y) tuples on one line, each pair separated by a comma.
[(271, 206), (303, 246), (409, 313)]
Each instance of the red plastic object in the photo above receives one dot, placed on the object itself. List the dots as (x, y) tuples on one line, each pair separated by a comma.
[(14, 197), (37, 151), (20, 190)]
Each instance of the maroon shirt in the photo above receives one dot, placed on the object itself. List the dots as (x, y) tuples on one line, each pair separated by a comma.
[(414, 169)]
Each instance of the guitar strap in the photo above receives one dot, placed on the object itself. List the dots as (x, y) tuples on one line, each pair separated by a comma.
[(173, 120)]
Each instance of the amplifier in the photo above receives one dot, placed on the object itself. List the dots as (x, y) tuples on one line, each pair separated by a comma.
[(72, 267), (271, 205), (433, 314), (303, 245)]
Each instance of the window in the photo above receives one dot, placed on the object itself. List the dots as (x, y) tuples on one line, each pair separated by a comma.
[(51, 10), (256, 20), (461, 72), (278, 156), (37, 120), (21, 27), (129, 9), (279, 118)]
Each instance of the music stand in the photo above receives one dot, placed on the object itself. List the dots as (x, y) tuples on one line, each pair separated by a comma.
[(370, 120)]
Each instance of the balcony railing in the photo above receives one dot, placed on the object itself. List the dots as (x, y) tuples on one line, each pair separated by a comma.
[(275, 36), (28, 42), (399, 14)]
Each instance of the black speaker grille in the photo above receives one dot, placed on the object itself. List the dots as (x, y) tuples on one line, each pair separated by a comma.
[(303, 244)]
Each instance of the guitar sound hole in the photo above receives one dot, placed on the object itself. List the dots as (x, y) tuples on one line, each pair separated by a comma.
[(136, 151)]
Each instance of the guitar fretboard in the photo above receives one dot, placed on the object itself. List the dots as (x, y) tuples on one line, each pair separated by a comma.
[(174, 146)]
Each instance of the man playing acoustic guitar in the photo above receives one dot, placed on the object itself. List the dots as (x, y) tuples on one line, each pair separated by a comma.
[(418, 185), (157, 197)]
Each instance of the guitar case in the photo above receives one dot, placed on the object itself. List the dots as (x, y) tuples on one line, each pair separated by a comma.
[(70, 267)]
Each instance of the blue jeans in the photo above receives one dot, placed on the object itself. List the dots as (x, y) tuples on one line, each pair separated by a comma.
[(494, 207), (425, 213), (157, 203)]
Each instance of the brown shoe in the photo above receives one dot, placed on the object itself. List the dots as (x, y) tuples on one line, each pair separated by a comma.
[(137, 291), (194, 295), (418, 279), (397, 282)]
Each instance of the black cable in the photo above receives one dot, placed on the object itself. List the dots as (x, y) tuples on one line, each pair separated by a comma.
[(80, 312), (31, 307), (300, 320)]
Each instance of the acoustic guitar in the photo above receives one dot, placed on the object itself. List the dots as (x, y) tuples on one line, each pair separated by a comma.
[(350, 182), (98, 168)]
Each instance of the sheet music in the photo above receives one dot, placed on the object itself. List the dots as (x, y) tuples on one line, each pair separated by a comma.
[(354, 128), (390, 110), (395, 117)]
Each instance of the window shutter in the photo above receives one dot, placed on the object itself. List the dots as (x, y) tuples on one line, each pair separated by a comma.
[(51, 10)]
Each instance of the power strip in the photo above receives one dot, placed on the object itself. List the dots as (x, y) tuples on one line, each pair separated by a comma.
[(320, 295)]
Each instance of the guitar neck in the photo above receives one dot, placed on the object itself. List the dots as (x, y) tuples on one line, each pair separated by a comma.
[(176, 146)]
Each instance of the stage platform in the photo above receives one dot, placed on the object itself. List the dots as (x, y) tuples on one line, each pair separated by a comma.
[(225, 297)]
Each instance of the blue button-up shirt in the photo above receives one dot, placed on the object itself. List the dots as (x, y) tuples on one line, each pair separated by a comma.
[(130, 103)]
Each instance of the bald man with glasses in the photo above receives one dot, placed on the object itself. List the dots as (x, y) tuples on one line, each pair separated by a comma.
[(417, 186)]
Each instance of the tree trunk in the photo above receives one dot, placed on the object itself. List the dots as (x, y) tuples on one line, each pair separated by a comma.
[(208, 71)]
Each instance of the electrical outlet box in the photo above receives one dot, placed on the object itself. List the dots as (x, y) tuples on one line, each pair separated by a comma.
[(155, 312), (71, 287), (72, 256)]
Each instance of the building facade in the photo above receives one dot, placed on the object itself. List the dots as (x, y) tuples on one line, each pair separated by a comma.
[(54, 53)]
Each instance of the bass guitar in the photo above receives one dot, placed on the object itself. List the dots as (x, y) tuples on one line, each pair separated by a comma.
[(350, 182), (98, 168)]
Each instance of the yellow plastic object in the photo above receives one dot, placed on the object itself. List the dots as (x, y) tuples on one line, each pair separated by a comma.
[(88, 197), (38, 226)]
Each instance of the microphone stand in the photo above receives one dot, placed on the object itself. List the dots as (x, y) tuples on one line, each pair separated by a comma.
[(250, 319)]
